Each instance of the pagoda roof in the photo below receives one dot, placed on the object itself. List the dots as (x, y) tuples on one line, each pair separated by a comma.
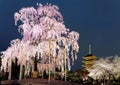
[(87, 62), (89, 55), (87, 66)]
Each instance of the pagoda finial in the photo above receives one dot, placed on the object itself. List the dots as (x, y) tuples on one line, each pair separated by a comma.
[(89, 49)]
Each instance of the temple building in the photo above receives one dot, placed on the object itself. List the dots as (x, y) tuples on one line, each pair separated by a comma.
[(88, 60)]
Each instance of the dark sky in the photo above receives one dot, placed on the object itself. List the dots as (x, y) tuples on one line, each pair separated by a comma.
[(97, 21)]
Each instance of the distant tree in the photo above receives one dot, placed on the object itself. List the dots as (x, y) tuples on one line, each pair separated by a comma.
[(116, 67), (0, 62), (105, 68)]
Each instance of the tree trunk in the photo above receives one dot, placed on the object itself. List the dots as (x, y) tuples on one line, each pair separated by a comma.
[(42, 73), (32, 66), (62, 69), (20, 75), (49, 64), (25, 72), (108, 82), (10, 70), (54, 68), (65, 65)]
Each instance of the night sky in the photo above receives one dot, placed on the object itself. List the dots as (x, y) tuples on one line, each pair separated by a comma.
[(97, 21)]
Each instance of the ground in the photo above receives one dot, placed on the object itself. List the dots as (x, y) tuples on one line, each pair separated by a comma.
[(37, 82)]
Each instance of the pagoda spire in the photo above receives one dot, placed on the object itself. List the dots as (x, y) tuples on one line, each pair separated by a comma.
[(89, 49)]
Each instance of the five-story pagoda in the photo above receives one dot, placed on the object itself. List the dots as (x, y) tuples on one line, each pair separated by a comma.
[(88, 60)]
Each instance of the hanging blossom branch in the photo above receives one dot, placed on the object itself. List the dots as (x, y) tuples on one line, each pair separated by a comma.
[(18, 49), (42, 23)]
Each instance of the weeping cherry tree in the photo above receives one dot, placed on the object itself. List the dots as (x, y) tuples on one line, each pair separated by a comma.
[(43, 33)]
